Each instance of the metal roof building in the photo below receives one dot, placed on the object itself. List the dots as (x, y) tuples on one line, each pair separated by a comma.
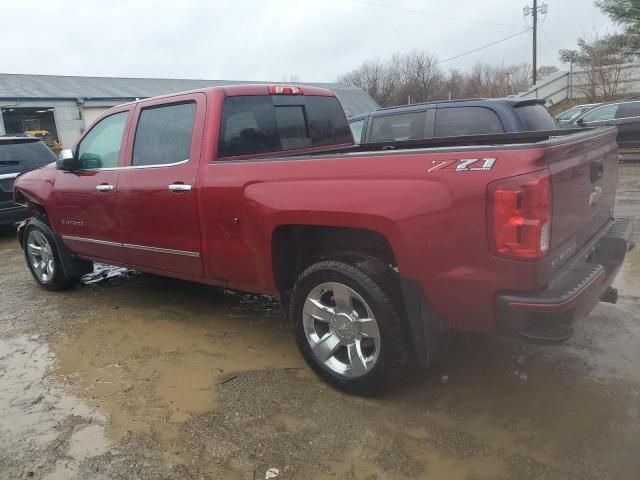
[(66, 105)]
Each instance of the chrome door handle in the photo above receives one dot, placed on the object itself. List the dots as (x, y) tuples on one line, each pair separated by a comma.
[(179, 187), (104, 188)]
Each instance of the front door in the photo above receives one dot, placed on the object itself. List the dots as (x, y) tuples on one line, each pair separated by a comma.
[(157, 188), (85, 199)]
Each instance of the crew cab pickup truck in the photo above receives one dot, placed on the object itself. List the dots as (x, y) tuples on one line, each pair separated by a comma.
[(375, 250)]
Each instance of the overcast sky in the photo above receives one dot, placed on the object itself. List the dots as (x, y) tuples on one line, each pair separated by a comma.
[(270, 39)]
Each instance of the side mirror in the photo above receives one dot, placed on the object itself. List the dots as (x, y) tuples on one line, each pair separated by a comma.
[(66, 160), (580, 122)]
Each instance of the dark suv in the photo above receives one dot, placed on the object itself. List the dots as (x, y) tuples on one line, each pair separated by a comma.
[(18, 155), (451, 118)]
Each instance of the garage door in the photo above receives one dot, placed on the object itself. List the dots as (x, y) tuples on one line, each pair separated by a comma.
[(90, 114)]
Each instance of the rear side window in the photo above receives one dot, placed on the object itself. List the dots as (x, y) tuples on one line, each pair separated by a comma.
[(25, 153), (262, 124), (404, 126), (626, 110), (466, 121), (164, 134), (536, 117)]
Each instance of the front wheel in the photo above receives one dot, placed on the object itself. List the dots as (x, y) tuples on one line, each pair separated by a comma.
[(43, 257), (349, 325)]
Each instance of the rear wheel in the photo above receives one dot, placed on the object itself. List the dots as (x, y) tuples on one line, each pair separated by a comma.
[(349, 326), (43, 257)]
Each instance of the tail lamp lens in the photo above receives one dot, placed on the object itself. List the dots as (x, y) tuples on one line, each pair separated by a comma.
[(520, 216)]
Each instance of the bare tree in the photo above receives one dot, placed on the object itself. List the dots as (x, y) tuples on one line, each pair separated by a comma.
[(417, 77), (379, 80), (420, 77), (601, 60)]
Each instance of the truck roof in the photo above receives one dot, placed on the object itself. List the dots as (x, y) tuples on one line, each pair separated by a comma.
[(465, 102), (247, 90)]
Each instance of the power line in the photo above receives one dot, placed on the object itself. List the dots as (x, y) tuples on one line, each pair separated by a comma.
[(430, 14), (484, 46)]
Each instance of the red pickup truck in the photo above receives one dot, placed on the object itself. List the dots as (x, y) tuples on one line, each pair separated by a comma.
[(374, 250)]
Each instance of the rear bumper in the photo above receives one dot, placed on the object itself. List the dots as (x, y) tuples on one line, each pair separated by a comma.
[(13, 214), (576, 289)]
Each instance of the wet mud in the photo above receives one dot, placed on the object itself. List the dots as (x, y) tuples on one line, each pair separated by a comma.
[(135, 376)]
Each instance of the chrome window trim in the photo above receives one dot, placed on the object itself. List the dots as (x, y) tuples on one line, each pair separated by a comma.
[(133, 167), (132, 246), (6, 176)]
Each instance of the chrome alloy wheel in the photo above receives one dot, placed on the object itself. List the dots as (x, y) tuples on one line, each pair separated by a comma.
[(341, 329), (40, 256)]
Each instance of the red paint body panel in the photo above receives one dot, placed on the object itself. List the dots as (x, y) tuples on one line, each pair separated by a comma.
[(435, 222)]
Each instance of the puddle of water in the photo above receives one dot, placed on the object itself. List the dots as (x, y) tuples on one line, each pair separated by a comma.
[(433, 465), (152, 368), (37, 414)]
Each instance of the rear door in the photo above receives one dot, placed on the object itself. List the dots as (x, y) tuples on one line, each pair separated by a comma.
[(157, 203)]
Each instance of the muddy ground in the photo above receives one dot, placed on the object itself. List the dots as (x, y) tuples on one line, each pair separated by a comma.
[(136, 376)]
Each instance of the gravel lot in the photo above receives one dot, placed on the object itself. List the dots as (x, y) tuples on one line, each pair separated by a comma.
[(136, 376)]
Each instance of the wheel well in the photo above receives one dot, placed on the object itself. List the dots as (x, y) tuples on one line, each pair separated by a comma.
[(295, 247)]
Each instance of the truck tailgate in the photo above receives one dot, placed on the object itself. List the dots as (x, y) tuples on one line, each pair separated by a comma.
[(584, 177)]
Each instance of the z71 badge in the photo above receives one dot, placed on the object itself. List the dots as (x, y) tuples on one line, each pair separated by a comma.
[(464, 165)]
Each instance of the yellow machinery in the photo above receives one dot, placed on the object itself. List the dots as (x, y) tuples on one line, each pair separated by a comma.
[(47, 138)]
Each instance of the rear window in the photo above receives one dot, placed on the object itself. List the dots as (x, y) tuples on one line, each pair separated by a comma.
[(536, 117), (262, 124), (404, 126), (466, 121), (25, 153)]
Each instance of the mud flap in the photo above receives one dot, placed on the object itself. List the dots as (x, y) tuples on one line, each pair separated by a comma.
[(427, 330)]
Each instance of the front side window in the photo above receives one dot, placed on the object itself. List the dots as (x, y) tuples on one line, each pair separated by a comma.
[(601, 114), (570, 114), (403, 126), (356, 130), (100, 148), (262, 124), (466, 121), (164, 134)]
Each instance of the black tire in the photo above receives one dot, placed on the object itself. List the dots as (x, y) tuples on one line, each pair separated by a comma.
[(58, 280), (378, 285)]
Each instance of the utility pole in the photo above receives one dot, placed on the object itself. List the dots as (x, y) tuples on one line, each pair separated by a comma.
[(534, 14), (535, 41)]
